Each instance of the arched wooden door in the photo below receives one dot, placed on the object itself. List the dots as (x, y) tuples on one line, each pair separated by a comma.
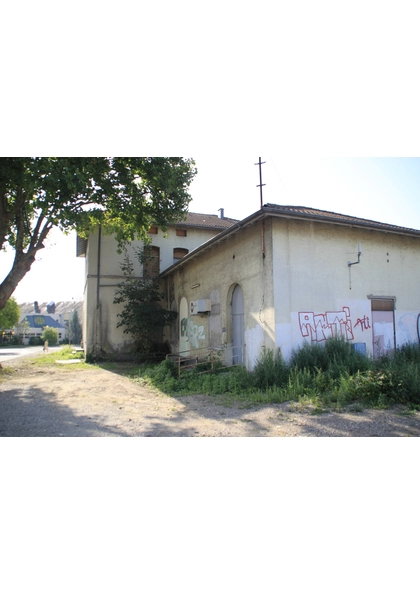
[(238, 328)]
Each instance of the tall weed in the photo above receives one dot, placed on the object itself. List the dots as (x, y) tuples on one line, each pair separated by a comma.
[(329, 375)]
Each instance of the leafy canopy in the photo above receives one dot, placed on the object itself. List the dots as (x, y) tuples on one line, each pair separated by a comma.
[(10, 314), (123, 194), (51, 335), (75, 329)]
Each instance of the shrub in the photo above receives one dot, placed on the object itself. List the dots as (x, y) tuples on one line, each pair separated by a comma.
[(270, 369), (50, 334), (335, 357)]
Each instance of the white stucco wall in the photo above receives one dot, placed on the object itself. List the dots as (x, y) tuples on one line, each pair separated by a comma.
[(100, 324), (316, 295)]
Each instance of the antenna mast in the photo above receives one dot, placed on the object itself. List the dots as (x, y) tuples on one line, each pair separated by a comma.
[(260, 185)]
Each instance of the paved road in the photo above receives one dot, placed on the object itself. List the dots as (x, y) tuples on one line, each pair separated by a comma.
[(7, 354)]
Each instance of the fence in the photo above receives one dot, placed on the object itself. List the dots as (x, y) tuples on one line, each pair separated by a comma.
[(221, 357)]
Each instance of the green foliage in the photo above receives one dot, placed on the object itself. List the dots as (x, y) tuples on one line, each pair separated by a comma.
[(270, 369), (326, 379), (65, 353), (123, 194), (50, 334), (10, 314), (335, 357), (142, 316), (75, 329)]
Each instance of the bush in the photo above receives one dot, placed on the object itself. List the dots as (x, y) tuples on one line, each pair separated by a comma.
[(330, 375), (335, 357), (50, 334), (270, 369)]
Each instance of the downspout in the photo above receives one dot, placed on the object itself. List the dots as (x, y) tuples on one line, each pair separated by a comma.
[(98, 305)]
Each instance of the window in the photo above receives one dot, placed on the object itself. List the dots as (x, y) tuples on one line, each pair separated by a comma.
[(151, 266), (153, 230), (181, 232), (179, 253)]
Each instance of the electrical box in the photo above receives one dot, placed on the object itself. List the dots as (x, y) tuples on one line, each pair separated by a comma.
[(201, 306)]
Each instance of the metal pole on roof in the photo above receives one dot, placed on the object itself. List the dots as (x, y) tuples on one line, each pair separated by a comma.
[(260, 185)]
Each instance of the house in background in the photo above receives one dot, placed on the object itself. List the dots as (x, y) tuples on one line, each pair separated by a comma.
[(103, 273), (283, 276), (32, 326), (53, 314)]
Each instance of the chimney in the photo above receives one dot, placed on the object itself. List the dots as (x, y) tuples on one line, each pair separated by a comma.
[(221, 213), (36, 307)]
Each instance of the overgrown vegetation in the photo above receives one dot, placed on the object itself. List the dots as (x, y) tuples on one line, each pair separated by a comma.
[(331, 376), (142, 315)]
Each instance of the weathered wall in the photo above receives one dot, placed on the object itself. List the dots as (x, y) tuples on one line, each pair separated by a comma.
[(316, 296), (100, 324), (213, 275)]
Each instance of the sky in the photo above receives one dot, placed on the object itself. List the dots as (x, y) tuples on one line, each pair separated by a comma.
[(380, 189)]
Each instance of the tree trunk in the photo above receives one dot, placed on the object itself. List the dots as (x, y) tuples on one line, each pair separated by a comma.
[(21, 265)]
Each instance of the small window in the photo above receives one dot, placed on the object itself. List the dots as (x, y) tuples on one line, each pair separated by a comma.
[(153, 230), (181, 232), (382, 304), (179, 253)]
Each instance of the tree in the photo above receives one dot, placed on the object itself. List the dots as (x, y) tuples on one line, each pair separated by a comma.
[(142, 316), (10, 314), (50, 334), (123, 194), (21, 329), (75, 329)]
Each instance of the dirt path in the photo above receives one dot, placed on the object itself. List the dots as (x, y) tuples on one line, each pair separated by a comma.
[(65, 401)]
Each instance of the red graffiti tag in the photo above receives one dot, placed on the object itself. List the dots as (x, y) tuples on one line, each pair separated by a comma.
[(363, 322), (319, 327)]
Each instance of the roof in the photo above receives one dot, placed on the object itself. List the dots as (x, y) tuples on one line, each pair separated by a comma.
[(304, 212), (295, 212), (206, 221), (40, 321), (61, 307)]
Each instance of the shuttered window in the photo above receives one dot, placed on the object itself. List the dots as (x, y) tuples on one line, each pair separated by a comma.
[(179, 253), (151, 266)]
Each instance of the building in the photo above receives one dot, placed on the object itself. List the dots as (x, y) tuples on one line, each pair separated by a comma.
[(52, 314), (281, 277), (103, 273), (289, 274)]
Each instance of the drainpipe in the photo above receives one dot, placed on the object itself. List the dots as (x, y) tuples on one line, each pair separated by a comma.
[(98, 305)]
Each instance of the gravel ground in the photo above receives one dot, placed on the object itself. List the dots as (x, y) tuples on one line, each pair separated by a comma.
[(71, 401)]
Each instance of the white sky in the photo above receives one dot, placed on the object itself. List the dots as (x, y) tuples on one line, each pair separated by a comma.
[(386, 190)]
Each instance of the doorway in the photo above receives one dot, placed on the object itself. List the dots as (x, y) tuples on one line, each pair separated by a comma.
[(383, 328)]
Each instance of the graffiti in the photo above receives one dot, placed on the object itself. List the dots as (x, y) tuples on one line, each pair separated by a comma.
[(364, 323), (192, 332), (319, 327)]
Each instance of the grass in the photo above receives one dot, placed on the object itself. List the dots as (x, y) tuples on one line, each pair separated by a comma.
[(65, 354), (317, 377)]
